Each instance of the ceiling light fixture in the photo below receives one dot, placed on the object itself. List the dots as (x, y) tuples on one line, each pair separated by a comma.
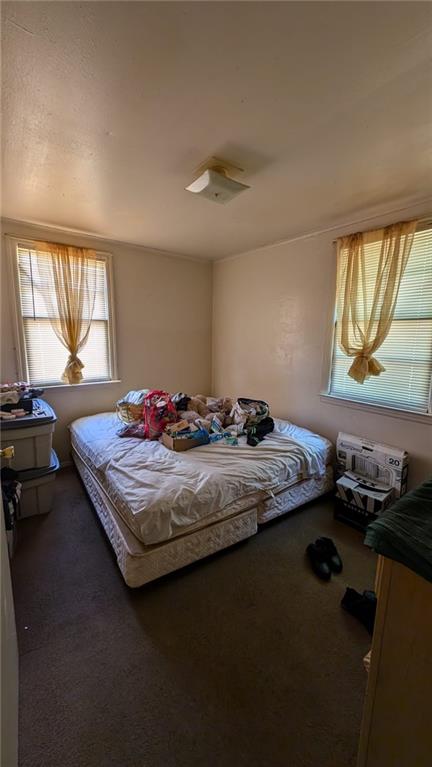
[(213, 182)]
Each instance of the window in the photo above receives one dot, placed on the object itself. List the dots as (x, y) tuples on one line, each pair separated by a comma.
[(407, 351), (42, 356)]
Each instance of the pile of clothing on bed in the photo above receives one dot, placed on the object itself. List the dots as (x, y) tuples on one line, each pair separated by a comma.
[(147, 414)]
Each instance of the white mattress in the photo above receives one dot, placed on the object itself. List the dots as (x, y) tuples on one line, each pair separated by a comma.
[(161, 494), (140, 564)]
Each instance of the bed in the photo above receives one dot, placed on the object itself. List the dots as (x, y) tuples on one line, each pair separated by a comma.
[(163, 510)]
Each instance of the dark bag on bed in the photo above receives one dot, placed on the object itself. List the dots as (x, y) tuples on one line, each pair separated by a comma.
[(256, 433), (258, 422)]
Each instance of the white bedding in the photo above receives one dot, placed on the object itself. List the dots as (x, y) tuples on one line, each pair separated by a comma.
[(159, 492)]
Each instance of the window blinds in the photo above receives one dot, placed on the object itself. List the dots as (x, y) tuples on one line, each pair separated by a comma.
[(46, 356), (407, 351)]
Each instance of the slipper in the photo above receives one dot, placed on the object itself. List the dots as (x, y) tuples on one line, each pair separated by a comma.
[(361, 606), (318, 562), (331, 552)]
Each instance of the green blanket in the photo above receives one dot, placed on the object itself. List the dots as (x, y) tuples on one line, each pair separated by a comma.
[(404, 531)]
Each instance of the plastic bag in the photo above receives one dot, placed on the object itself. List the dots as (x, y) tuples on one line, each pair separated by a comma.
[(158, 411), (130, 407)]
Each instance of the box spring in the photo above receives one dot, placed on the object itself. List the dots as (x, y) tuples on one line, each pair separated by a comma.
[(140, 564)]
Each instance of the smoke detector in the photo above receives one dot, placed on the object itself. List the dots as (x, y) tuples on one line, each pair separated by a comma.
[(213, 182)]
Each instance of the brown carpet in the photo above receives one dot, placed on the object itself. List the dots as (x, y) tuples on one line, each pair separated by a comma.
[(244, 659)]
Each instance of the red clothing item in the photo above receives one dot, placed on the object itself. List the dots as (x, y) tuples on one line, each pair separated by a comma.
[(158, 411)]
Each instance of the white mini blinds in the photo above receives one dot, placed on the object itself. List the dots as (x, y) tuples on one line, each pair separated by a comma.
[(43, 356), (406, 353)]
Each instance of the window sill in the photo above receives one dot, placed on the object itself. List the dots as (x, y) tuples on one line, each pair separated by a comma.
[(390, 412), (76, 386)]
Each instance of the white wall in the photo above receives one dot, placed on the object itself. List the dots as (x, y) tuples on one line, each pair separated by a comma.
[(163, 319), (271, 332)]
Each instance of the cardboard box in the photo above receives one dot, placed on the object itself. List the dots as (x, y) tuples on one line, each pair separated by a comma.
[(173, 428), (387, 466), (358, 504), (179, 444), (361, 496)]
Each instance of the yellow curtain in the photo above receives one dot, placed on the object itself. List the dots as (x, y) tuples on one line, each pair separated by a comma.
[(67, 282), (367, 290)]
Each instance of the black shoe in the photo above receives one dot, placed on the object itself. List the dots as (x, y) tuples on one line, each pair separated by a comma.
[(362, 606), (332, 555), (319, 562)]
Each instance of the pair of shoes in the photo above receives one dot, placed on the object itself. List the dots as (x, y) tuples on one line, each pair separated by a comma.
[(362, 606), (324, 558)]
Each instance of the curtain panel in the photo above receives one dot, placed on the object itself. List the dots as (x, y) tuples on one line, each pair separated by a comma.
[(367, 292), (67, 282)]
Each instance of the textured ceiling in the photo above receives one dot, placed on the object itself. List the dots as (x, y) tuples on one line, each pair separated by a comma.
[(109, 107)]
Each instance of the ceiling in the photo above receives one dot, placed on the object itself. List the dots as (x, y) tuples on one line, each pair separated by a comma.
[(109, 107)]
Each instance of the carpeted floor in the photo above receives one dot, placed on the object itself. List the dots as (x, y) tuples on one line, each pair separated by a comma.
[(244, 659)]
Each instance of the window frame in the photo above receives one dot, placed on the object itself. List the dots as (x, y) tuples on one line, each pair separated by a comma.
[(13, 242), (326, 393)]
